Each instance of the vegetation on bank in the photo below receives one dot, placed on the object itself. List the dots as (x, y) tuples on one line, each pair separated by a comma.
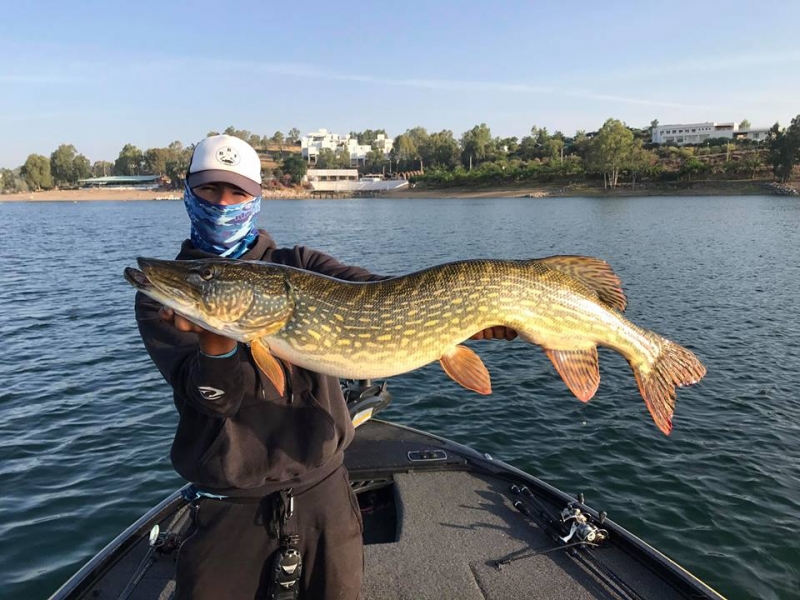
[(615, 154)]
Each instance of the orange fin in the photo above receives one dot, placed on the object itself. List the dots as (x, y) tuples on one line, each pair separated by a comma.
[(268, 364), (593, 273), (674, 367), (579, 370), (467, 368)]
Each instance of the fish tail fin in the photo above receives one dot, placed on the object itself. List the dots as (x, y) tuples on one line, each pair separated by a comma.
[(674, 366)]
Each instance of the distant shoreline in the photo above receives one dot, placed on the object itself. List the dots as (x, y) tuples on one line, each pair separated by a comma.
[(681, 188)]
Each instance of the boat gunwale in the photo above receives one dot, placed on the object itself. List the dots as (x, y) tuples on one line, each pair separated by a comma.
[(112, 552)]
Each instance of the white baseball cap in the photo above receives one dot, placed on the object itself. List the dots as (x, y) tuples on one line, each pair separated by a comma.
[(226, 159)]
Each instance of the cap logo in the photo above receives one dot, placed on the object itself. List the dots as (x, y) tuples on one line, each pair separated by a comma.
[(228, 156)]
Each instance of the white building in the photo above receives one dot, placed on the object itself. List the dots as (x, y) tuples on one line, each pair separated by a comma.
[(313, 143), (697, 133)]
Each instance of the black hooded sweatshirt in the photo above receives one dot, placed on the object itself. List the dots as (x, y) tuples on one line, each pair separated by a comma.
[(236, 435)]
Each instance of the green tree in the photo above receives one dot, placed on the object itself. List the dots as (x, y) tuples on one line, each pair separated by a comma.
[(67, 166), (102, 168), (508, 146), (333, 159), (82, 167), (368, 136), (294, 135), (130, 161), (783, 149), (242, 134), (553, 146), (295, 166), (610, 150), (404, 152), (752, 162), (12, 182), (528, 148), (7, 180), (155, 161), (579, 144), (36, 173), (745, 124), (254, 140), (419, 138), (440, 150), (691, 167), (640, 161), (278, 138), (177, 164), (375, 161), (477, 145)]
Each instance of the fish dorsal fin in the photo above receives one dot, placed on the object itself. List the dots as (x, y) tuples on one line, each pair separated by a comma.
[(578, 369), (593, 273), (268, 364), (466, 368)]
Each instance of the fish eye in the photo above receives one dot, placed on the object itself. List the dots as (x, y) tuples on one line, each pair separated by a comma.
[(207, 274)]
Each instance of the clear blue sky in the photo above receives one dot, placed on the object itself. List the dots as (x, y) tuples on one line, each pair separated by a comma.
[(103, 74)]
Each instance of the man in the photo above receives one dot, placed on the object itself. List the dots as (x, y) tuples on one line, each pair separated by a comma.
[(269, 466)]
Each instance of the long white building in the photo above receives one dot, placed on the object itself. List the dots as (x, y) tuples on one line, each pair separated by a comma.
[(697, 133), (313, 143)]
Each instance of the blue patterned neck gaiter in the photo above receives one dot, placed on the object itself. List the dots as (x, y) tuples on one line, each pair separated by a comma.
[(223, 230)]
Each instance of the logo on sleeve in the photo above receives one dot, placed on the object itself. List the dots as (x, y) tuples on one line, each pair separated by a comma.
[(210, 393)]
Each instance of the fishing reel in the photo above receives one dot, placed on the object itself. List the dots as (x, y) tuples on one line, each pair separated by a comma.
[(364, 399), (163, 542), (581, 527)]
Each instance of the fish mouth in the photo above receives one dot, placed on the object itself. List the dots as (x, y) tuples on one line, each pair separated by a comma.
[(138, 279), (164, 281)]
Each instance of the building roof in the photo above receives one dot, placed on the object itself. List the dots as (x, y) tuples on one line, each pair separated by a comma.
[(121, 179)]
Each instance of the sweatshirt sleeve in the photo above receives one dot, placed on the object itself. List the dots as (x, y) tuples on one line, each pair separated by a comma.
[(319, 262), (211, 385)]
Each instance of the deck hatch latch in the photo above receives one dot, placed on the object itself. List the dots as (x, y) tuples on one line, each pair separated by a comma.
[(427, 455)]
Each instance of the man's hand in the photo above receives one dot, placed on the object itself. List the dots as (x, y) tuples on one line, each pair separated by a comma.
[(495, 333), (211, 343)]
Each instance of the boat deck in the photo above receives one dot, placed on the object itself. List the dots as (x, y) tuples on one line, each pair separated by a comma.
[(455, 527), (435, 528)]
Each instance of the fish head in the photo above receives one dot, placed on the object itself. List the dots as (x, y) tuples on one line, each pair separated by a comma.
[(243, 300)]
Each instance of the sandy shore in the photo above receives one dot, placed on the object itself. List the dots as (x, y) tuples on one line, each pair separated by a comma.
[(85, 195), (116, 195), (683, 188)]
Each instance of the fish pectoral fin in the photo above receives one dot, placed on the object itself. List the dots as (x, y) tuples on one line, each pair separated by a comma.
[(593, 273), (268, 364), (579, 369), (466, 368)]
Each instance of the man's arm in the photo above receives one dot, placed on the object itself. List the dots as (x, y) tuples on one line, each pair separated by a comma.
[(189, 359)]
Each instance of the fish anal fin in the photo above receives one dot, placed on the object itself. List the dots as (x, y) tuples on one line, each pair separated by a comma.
[(466, 368), (594, 273), (579, 369), (268, 364)]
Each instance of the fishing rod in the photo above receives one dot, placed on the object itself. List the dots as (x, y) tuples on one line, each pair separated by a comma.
[(582, 528), (159, 543)]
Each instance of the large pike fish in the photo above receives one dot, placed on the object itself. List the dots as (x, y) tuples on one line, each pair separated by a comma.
[(568, 305)]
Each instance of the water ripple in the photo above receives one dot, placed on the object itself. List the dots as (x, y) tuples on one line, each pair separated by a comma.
[(88, 421)]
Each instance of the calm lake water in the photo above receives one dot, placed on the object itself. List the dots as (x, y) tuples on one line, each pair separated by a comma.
[(87, 422)]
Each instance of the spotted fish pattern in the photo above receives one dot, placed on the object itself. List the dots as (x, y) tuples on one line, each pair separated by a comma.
[(568, 305)]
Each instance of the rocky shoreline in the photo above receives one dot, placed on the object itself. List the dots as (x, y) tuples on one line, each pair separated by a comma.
[(781, 189)]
